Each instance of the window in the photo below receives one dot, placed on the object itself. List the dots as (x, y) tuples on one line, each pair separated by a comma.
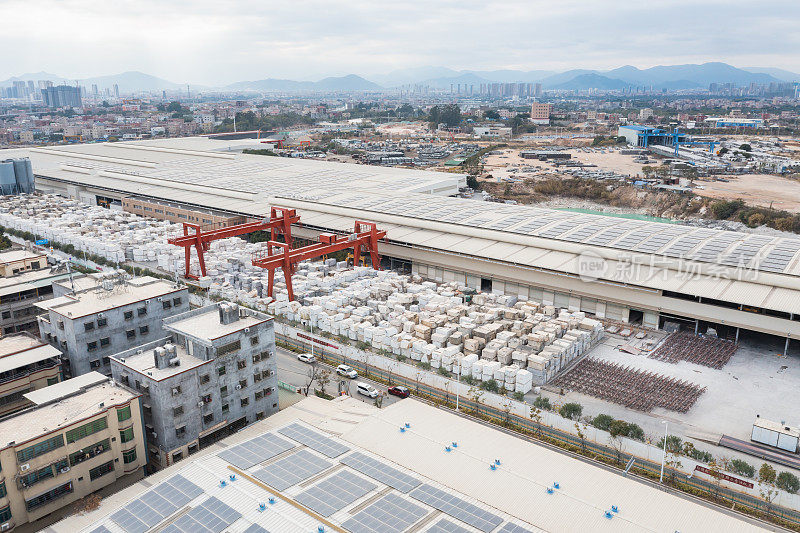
[(41, 448), (128, 315), (176, 301), (89, 452), (131, 333), (266, 373), (177, 411), (125, 380), (254, 340), (144, 330), (102, 322), (52, 381), (36, 476), (6, 314), (166, 304), (106, 360), (60, 324), (243, 383), (259, 395), (5, 513), (87, 429), (91, 346), (245, 402), (228, 348), (105, 341), (256, 377), (260, 415), (263, 356), (49, 496), (241, 364), (207, 419), (126, 435), (177, 456), (225, 407), (124, 413), (221, 371), (192, 448), (223, 391), (176, 390), (180, 431), (205, 378), (88, 326), (141, 311), (129, 456), (101, 470)]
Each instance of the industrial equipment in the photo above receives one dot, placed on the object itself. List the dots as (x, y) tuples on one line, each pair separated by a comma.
[(279, 223), (364, 239)]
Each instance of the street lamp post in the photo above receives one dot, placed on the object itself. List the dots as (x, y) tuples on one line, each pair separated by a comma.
[(664, 455)]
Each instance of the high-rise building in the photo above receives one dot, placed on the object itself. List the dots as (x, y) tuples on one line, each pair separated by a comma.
[(116, 90), (540, 113), (62, 96), (20, 89), (94, 89), (537, 91)]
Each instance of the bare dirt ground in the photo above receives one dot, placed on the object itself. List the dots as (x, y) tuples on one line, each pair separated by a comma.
[(755, 189), (509, 164)]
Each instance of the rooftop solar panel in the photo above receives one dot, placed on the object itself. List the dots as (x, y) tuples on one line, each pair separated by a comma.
[(291, 470), (390, 514), (335, 493), (255, 528), (156, 504), (456, 507), (212, 516), (316, 441), (256, 450), (508, 527), (446, 526), (380, 471)]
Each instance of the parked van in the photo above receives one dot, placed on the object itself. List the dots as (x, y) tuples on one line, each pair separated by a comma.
[(366, 389)]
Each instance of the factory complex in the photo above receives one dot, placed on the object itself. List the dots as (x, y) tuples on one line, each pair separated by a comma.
[(631, 271), (345, 466)]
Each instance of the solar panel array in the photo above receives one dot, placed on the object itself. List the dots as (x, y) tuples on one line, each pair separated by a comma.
[(291, 470), (101, 529), (780, 256), (456, 507), (508, 527), (156, 504), (390, 514), (256, 450), (446, 526), (315, 441), (380, 471), (255, 528), (335, 493), (212, 516)]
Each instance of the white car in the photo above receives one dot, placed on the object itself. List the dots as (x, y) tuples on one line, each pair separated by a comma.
[(367, 390), (346, 371), (306, 358)]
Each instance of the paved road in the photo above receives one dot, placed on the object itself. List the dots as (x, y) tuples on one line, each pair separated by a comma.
[(295, 372), (770, 454)]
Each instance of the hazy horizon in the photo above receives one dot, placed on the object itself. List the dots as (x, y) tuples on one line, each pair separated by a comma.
[(213, 43)]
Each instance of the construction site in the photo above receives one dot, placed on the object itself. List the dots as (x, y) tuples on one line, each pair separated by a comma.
[(629, 317)]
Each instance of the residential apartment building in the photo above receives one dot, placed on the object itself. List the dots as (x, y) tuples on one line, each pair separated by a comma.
[(117, 314), (25, 280), (540, 113), (213, 375), (79, 436), (26, 364)]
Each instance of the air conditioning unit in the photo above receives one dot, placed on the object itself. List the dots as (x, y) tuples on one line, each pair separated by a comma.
[(100, 315), (5, 527), (24, 468), (238, 387), (247, 330), (201, 403), (174, 392), (159, 299), (64, 470), (139, 351)]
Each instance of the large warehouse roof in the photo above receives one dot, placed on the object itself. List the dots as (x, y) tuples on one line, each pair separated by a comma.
[(743, 268), (349, 464)]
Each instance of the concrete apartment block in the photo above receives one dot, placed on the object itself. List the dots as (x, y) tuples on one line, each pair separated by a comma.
[(118, 314), (213, 375), (25, 279), (26, 364), (79, 436)]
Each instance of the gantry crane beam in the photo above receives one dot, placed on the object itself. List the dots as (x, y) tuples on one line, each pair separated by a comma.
[(365, 237), (279, 223)]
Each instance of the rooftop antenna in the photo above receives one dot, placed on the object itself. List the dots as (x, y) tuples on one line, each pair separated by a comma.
[(69, 271)]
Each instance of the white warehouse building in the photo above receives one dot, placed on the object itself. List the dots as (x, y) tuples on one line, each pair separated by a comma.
[(649, 273)]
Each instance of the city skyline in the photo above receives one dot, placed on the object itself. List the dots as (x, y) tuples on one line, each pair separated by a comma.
[(210, 44)]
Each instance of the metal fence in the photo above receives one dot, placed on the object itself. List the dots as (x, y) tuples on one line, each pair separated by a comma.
[(533, 428)]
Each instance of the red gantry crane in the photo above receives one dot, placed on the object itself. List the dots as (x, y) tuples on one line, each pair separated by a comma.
[(279, 223), (364, 238)]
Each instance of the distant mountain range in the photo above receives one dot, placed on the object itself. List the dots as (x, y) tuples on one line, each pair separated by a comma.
[(671, 77)]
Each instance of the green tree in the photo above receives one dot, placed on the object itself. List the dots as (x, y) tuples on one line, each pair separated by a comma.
[(491, 114), (602, 421), (746, 147), (788, 482), (542, 402), (737, 466), (571, 410), (448, 114), (766, 485), (174, 107)]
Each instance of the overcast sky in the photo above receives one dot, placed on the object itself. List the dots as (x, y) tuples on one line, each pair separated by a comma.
[(222, 41)]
